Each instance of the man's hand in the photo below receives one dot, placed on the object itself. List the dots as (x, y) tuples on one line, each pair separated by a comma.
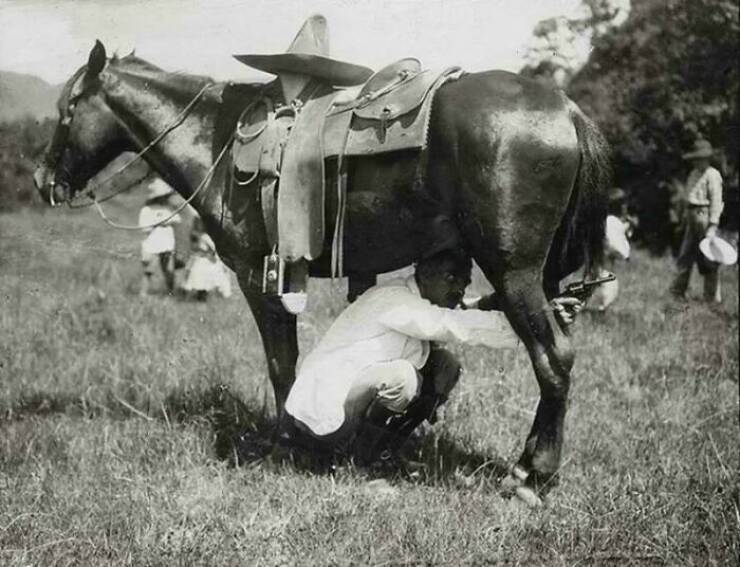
[(711, 231), (566, 309)]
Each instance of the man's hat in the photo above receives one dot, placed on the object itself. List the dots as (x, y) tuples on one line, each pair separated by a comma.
[(309, 55), (702, 149), (716, 249), (617, 194), (158, 188)]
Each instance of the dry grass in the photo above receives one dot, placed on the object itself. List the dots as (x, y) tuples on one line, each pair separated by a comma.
[(115, 433)]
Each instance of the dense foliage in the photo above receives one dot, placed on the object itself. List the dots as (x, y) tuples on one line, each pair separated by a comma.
[(22, 143), (664, 77)]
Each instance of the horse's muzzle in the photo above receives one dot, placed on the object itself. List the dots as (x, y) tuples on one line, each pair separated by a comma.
[(52, 192)]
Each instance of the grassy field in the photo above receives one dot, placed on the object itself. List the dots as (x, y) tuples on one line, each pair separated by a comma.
[(116, 416)]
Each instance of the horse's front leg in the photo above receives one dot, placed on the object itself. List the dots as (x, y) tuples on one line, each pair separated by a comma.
[(277, 328), (552, 357)]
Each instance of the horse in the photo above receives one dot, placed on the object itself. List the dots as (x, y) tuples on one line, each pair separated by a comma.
[(517, 167)]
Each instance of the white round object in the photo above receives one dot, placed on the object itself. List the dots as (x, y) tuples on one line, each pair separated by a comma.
[(716, 249), (294, 303)]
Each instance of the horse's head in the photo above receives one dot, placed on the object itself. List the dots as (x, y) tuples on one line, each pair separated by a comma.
[(87, 137)]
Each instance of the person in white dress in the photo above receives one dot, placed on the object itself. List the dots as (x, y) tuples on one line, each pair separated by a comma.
[(156, 219), (204, 272), (616, 247)]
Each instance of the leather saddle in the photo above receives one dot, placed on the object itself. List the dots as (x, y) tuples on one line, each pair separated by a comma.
[(285, 148)]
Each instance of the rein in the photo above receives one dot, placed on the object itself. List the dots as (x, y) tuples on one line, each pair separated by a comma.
[(177, 211)]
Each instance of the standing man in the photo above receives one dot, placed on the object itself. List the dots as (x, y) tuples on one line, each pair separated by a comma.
[(376, 374), (703, 207)]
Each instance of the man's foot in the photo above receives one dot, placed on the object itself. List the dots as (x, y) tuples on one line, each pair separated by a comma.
[(296, 448), (390, 463), (317, 462)]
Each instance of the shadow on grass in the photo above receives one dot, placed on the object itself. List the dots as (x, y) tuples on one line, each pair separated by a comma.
[(445, 458), (233, 423), (243, 433)]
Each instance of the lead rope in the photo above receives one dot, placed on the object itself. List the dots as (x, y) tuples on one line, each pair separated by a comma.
[(185, 203)]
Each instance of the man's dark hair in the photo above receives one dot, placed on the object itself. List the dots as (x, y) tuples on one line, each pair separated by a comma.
[(433, 265)]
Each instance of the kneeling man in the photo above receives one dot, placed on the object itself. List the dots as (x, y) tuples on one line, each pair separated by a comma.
[(377, 373)]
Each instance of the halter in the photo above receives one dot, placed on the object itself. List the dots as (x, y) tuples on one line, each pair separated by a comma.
[(61, 137)]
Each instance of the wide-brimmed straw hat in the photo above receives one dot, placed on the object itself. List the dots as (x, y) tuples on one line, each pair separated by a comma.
[(616, 194), (718, 250), (309, 55), (158, 188), (701, 149)]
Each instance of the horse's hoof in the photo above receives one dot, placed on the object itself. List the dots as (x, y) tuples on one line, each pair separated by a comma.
[(528, 496)]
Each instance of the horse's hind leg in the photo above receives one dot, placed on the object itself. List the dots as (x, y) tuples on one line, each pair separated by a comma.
[(510, 234), (552, 357)]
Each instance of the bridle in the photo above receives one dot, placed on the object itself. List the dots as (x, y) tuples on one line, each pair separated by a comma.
[(61, 138)]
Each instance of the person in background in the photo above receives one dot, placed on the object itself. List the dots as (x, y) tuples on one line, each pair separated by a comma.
[(703, 207), (378, 373), (156, 219), (616, 247), (204, 271)]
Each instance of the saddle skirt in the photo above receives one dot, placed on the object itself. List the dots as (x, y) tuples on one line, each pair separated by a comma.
[(286, 148)]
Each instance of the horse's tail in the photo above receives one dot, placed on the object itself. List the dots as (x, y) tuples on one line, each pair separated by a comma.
[(579, 240)]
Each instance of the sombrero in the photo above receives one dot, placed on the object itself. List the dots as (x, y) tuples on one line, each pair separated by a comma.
[(309, 55), (158, 188), (617, 194), (702, 149), (716, 249)]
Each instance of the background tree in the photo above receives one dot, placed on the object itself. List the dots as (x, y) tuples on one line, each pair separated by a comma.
[(22, 142), (667, 75), (559, 46)]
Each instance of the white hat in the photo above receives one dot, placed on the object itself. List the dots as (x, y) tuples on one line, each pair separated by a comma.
[(715, 249), (158, 188)]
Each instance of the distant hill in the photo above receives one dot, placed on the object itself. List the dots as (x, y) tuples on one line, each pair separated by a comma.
[(26, 95)]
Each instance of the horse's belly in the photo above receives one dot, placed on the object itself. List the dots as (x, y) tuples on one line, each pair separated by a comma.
[(383, 226)]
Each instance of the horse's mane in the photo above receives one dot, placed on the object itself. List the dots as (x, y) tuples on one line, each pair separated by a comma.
[(178, 84)]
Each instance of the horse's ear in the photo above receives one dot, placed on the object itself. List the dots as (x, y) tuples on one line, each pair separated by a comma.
[(96, 61)]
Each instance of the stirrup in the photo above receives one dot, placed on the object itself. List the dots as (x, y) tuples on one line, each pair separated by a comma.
[(295, 297), (286, 281)]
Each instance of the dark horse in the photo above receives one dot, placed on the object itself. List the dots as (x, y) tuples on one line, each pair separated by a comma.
[(517, 167)]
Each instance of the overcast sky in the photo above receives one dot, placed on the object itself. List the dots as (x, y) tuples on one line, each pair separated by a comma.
[(51, 38)]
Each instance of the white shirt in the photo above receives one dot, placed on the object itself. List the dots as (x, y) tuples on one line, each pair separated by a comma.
[(704, 188), (386, 323), (160, 238)]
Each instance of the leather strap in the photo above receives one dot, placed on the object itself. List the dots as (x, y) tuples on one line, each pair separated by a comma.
[(269, 208), (301, 195)]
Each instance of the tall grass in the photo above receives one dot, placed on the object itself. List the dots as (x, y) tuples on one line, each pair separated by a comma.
[(117, 416)]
